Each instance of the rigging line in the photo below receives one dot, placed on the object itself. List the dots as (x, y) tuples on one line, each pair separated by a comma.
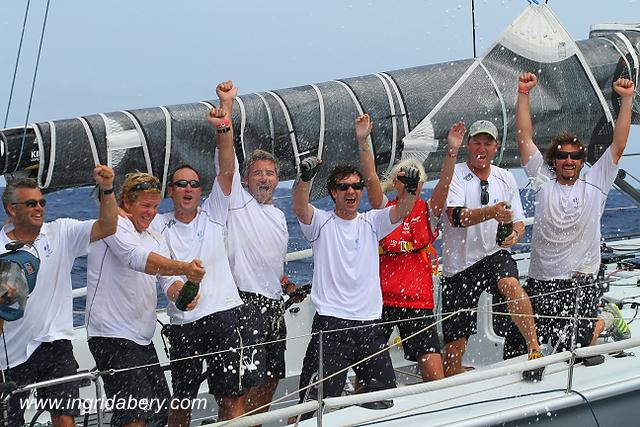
[(15, 70), (33, 84), (473, 27)]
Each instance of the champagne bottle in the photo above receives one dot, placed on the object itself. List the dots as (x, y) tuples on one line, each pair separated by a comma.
[(504, 230), (187, 294)]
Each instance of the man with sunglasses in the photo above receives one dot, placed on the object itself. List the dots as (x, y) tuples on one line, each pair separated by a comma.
[(346, 283), (38, 347), (565, 247), (198, 231), (480, 196)]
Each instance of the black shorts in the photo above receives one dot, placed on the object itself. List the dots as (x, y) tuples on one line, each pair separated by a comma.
[(463, 290), (557, 298), (135, 385), (354, 341), (262, 321), (50, 360), (421, 320), (211, 334)]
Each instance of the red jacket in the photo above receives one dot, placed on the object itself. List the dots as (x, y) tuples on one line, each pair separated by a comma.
[(405, 263)]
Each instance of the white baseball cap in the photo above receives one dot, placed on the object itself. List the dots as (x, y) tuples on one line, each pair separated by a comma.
[(483, 126)]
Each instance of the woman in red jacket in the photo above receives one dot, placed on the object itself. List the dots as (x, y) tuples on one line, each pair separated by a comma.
[(407, 254)]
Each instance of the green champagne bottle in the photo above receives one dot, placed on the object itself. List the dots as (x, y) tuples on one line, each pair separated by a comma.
[(187, 294), (504, 230)]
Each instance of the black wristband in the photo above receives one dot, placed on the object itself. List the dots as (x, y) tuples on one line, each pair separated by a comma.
[(107, 191), (223, 130), (456, 219)]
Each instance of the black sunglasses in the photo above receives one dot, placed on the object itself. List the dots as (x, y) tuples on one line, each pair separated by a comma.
[(343, 186), (148, 185), (31, 203), (484, 192), (575, 155), (182, 183)]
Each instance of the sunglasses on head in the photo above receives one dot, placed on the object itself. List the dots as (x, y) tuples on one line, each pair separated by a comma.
[(343, 186), (484, 192), (148, 185), (31, 203), (575, 155), (182, 183)]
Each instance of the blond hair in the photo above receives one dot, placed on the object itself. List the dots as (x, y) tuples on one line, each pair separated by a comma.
[(387, 184), (130, 193)]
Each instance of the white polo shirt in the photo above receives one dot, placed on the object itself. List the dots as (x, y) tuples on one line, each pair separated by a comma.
[(566, 228), (48, 315), (202, 238), (346, 277), (464, 246), (257, 238), (121, 298)]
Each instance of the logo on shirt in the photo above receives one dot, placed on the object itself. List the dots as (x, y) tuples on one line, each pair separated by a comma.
[(47, 250), (200, 235), (468, 177)]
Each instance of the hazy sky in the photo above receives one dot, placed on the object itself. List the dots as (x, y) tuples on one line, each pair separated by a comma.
[(101, 56)]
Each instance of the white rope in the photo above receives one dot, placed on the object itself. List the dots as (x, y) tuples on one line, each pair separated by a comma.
[(292, 135), (243, 124), (272, 132), (92, 141), (167, 149), (394, 122), (143, 140), (52, 162)]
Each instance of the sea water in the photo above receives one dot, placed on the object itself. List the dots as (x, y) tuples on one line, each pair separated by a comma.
[(620, 218)]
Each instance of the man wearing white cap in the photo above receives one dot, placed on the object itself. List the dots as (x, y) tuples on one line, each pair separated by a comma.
[(481, 196)]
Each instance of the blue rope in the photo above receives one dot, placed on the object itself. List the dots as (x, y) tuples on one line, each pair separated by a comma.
[(15, 70), (33, 84)]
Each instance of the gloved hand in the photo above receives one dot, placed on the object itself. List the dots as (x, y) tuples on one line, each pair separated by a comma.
[(309, 168), (410, 177)]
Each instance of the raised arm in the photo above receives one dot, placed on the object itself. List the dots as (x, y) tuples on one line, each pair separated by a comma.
[(410, 177), (301, 206), (107, 222), (220, 119), (524, 126), (439, 195), (626, 90), (226, 93), (368, 165)]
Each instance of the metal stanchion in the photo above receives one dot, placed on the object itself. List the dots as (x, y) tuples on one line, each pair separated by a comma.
[(574, 336), (320, 383)]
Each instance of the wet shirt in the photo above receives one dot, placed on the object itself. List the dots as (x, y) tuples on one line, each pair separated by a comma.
[(566, 229), (346, 280), (464, 246), (48, 315), (405, 266), (203, 239), (257, 238), (121, 297)]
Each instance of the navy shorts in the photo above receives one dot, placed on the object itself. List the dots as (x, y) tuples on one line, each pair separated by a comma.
[(463, 290), (354, 341), (557, 298), (216, 333), (135, 385), (262, 321), (50, 360), (410, 321)]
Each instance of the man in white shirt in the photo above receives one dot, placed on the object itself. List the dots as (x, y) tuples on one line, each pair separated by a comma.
[(480, 196), (565, 247), (346, 283), (257, 239), (194, 231), (38, 346)]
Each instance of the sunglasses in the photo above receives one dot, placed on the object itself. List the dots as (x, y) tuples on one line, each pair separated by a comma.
[(575, 155), (142, 186), (182, 183), (484, 192), (31, 203), (343, 186)]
